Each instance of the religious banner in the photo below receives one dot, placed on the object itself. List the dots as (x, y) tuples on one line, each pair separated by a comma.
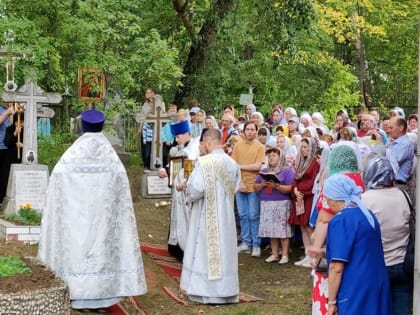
[(90, 84)]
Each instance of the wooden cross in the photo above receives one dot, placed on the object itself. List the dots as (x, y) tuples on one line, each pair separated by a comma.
[(11, 56)]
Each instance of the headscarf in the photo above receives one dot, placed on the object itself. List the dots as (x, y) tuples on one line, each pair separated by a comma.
[(267, 134), (288, 148), (270, 142), (342, 159), (213, 119), (280, 165), (312, 131), (281, 118), (260, 116), (306, 116), (291, 110), (319, 117), (378, 173), (305, 162), (340, 187), (285, 130)]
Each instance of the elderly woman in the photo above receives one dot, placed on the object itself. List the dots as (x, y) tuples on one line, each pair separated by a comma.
[(341, 160), (306, 120), (357, 276), (392, 210), (275, 205), (258, 118)]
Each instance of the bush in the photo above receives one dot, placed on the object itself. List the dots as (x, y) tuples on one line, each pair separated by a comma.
[(51, 148)]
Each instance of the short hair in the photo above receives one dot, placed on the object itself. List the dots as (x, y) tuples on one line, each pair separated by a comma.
[(213, 135), (249, 122), (228, 116), (263, 131), (228, 107), (280, 127), (151, 90), (401, 122), (272, 150), (413, 116)]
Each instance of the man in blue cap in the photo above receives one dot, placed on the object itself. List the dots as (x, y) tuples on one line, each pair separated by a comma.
[(188, 147), (89, 236)]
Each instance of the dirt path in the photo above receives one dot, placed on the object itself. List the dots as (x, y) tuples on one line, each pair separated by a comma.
[(286, 289)]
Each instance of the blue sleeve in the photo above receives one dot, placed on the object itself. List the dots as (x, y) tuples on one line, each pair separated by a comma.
[(341, 237), (405, 150)]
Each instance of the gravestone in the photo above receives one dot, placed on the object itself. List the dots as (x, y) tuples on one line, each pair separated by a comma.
[(151, 185), (44, 115), (28, 181)]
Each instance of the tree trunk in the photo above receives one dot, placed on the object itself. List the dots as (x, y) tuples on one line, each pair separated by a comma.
[(200, 46), (364, 77)]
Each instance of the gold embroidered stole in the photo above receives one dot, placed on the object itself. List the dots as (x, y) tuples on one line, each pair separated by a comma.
[(213, 169)]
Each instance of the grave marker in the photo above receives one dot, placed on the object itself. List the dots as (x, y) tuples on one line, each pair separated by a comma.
[(28, 181)]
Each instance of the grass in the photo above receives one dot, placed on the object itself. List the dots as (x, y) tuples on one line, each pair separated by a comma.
[(10, 265)]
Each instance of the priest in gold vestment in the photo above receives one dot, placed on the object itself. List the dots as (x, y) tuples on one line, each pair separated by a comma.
[(210, 265)]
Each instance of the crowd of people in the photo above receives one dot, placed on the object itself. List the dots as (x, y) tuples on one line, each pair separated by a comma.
[(338, 187)]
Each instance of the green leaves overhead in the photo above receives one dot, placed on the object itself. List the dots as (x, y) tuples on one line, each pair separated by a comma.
[(303, 53)]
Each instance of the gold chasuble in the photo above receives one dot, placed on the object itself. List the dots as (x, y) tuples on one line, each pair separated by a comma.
[(214, 170)]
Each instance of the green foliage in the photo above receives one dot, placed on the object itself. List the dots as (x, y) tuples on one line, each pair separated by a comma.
[(10, 265), (25, 216), (300, 53), (51, 148)]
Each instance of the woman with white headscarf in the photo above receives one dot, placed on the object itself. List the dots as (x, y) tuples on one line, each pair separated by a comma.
[(357, 276), (258, 118)]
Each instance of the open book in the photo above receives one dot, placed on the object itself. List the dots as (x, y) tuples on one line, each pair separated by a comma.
[(270, 177)]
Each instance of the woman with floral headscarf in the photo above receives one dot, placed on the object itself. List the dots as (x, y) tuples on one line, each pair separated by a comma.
[(302, 195), (357, 276), (392, 210)]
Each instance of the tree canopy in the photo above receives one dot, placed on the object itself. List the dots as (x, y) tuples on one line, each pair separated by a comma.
[(322, 54)]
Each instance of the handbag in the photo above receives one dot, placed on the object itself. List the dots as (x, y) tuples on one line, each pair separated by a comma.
[(409, 254)]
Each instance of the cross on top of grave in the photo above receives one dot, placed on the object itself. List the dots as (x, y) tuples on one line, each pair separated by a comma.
[(30, 95), (7, 52)]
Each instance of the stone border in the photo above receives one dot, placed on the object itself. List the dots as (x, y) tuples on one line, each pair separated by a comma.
[(13, 233), (47, 301)]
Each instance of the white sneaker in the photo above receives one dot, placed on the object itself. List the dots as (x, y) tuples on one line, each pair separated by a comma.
[(307, 263), (305, 260), (271, 259), (284, 260), (256, 252), (244, 248)]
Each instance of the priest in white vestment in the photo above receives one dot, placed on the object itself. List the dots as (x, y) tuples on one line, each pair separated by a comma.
[(210, 265), (89, 236), (188, 147)]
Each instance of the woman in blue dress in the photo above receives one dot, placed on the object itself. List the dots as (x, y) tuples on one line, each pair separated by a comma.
[(357, 276)]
